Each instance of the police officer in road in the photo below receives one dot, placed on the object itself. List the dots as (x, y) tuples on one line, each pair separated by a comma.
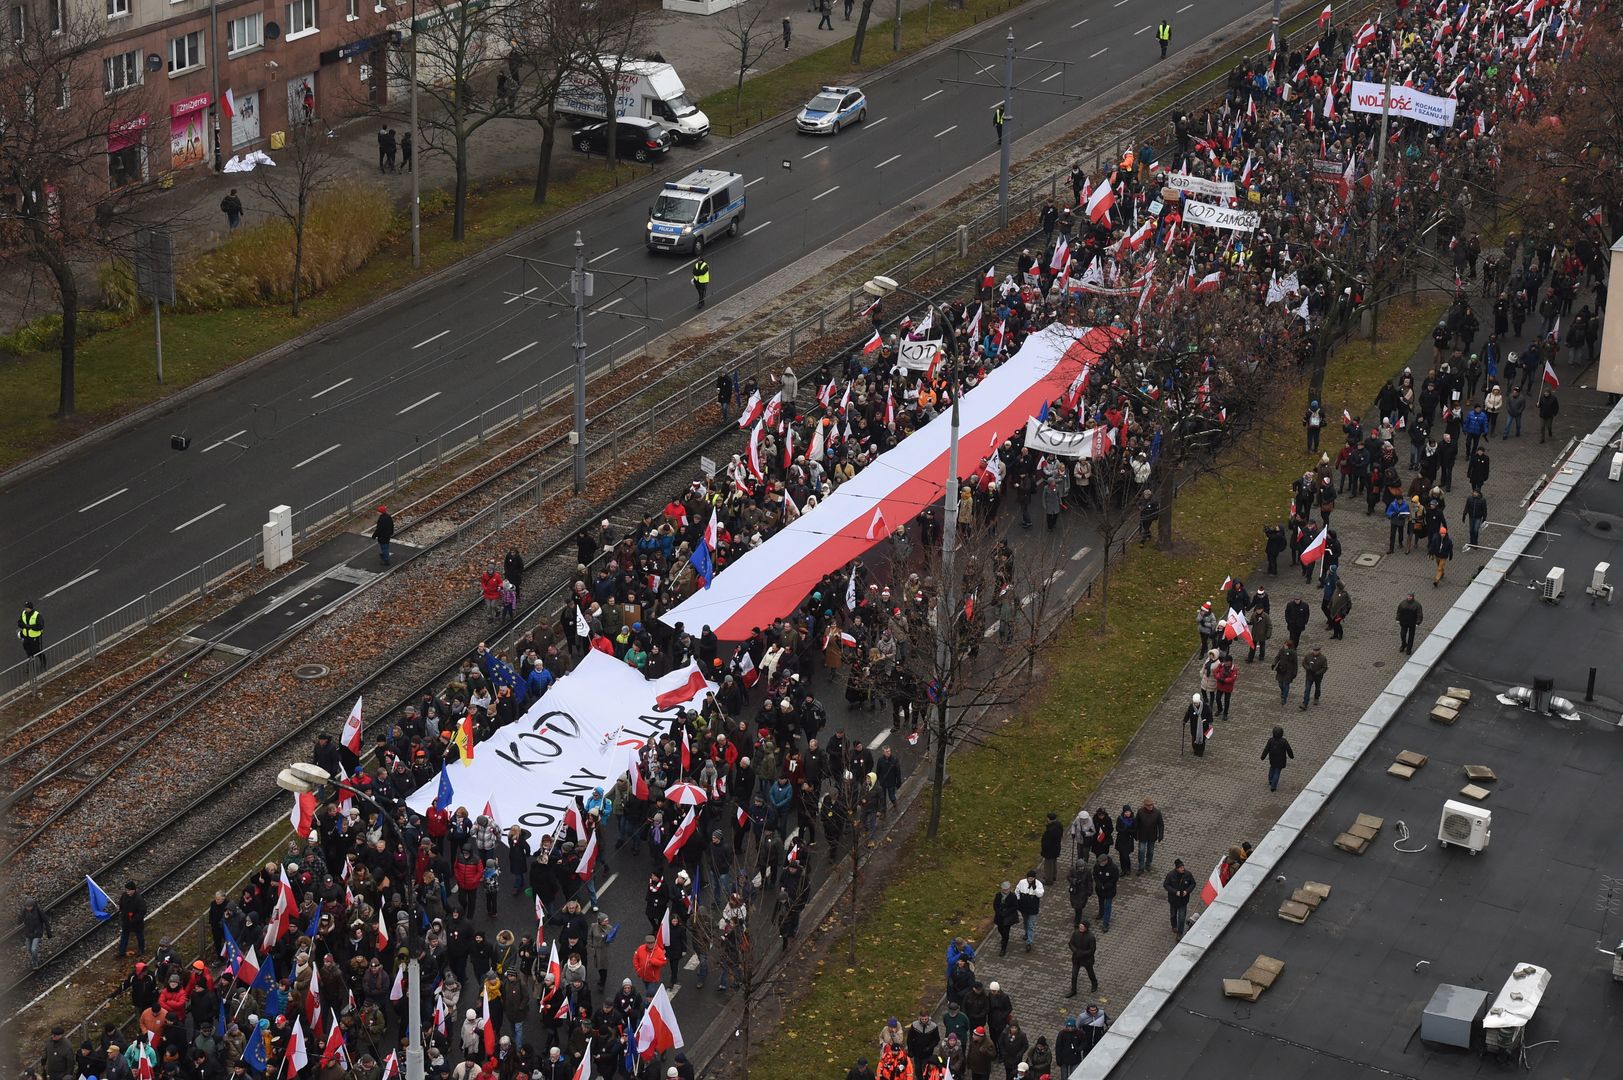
[(997, 122), (1163, 34), (701, 278), (31, 632)]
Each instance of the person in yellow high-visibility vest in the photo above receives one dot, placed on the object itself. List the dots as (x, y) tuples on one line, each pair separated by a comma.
[(701, 278), (31, 632), (1163, 34)]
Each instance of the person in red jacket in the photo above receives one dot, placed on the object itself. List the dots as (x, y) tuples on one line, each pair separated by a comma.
[(648, 962), (490, 587), (468, 871)]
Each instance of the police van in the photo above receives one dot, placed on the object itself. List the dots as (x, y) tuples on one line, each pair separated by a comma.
[(692, 211)]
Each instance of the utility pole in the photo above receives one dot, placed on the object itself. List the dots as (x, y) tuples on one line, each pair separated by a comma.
[(416, 196), (415, 1068), (1274, 37), (1007, 144), (1368, 320), (212, 55), (579, 287)]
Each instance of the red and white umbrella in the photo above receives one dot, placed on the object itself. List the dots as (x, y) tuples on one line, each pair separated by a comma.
[(686, 794)]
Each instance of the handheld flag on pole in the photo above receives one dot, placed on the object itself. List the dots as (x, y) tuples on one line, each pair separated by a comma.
[(101, 905), (442, 796)]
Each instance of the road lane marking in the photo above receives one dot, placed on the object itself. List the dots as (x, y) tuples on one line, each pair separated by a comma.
[(757, 180), (1054, 76), (677, 270), (198, 518), (72, 583), (948, 131), (333, 387), (1141, 30), (1025, 601), (519, 296), (1055, 576), (410, 407), (605, 886), (871, 124), (830, 191), (104, 498), (1100, 53), (879, 740), (1081, 554), (315, 457), (515, 352), (227, 439), (887, 161), (933, 93), (1185, 8), (1034, 44), (1077, 24), (605, 255), (758, 228), (430, 341), (994, 628), (814, 153)]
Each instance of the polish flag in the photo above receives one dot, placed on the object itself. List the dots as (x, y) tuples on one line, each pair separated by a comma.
[(877, 528), (847, 638), (1214, 884), (281, 917), (383, 933), (398, 990), (588, 859), (1324, 17), (815, 452), (391, 1066), (746, 669), (1228, 582), (752, 410), (298, 1051), (683, 833), (1314, 551), (687, 751), (334, 1050), (1312, 54), (743, 822), (1346, 417), (826, 394), (665, 928), (689, 690), (753, 459), (1235, 626), (873, 344), (658, 1031), (890, 409), (1209, 283), (1100, 201), (1329, 103), (1062, 253), (1549, 377), (312, 1007), (773, 411), (1365, 35), (303, 816), (990, 280), (488, 1028), (490, 812), (583, 1071), (351, 738)]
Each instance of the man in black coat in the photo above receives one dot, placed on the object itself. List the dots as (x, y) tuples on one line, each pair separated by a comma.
[(1277, 751), (383, 532), (1297, 614), (1005, 914), (1084, 948), (1053, 837), (1179, 886)]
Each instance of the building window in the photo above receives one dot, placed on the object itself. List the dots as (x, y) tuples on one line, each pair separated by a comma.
[(245, 33), (301, 18), (352, 10), (123, 71), (186, 52), (58, 18), (117, 9), (19, 22)]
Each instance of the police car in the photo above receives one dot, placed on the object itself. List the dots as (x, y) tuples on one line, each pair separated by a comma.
[(833, 108)]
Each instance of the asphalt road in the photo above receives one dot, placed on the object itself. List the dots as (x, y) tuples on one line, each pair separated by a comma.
[(127, 515)]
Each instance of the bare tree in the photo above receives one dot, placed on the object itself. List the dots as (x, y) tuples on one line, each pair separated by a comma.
[(64, 193), (862, 31), (309, 164), (452, 47), (740, 29), (605, 36), (541, 32)]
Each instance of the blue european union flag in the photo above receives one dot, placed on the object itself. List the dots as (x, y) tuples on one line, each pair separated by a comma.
[(1042, 417), (442, 797), (101, 905), (253, 1055), (631, 1041), (611, 933), (266, 978), (702, 564), (219, 1021), (315, 924)]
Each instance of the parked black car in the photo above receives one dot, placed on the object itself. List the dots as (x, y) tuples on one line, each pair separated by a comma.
[(637, 139)]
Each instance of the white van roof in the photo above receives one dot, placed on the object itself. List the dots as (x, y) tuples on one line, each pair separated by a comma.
[(703, 181)]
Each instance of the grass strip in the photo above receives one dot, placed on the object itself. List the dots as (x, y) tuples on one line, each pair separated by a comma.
[(1098, 690)]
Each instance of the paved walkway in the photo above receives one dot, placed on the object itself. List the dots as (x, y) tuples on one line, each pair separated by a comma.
[(1221, 799), (500, 150)]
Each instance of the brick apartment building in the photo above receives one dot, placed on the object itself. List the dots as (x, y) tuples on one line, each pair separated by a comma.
[(246, 69)]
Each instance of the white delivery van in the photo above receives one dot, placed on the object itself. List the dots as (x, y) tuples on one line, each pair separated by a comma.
[(692, 211), (650, 90)]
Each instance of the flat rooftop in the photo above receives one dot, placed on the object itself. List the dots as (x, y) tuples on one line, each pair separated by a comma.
[(1548, 890)]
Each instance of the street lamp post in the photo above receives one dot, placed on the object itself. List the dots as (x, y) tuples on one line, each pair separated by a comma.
[(946, 606), (301, 779)]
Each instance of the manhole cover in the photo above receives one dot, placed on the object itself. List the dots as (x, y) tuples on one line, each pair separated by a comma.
[(1379, 663), (1368, 558), (310, 671)]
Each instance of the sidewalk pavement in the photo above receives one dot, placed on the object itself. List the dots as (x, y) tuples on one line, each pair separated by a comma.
[(1218, 800), (501, 149)]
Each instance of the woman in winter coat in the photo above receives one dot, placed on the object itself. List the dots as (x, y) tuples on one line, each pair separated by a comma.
[(1126, 837), (1103, 832)]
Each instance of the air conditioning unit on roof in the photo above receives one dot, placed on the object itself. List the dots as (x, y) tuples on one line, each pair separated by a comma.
[(1466, 826)]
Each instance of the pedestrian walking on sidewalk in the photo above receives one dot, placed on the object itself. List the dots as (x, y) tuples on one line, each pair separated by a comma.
[(231, 206), (1276, 752), (1476, 512), (1053, 839), (1206, 625), (1297, 613), (787, 30), (1314, 668), (1285, 671), (1005, 914), (1152, 829), (1079, 884), (1410, 615), (405, 152), (1179, 885), (1105, 878), (1198, 719), (1441, 548), (1084, 950), (383, 532), (1163, 34), (1028, 896), (825, 9), (1262, 627)]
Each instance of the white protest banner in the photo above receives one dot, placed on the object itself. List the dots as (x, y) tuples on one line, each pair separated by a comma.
[(580, 735), (1199, 185), (917, 355), (1046, 440), (1407, 103), (1221, 217)]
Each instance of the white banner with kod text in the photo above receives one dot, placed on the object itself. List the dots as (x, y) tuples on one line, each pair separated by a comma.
[(1221, 217), (1407, 103), (1046, 440), (582, 734), (1199, 185), (918, 355)]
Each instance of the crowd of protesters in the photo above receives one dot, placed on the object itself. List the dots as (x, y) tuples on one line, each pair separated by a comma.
[(332, 921)]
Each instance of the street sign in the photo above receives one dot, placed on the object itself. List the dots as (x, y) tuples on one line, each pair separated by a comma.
[(708, 467), (155, 266)]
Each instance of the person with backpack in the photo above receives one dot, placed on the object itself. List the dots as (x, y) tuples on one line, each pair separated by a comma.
[(231, 206)]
